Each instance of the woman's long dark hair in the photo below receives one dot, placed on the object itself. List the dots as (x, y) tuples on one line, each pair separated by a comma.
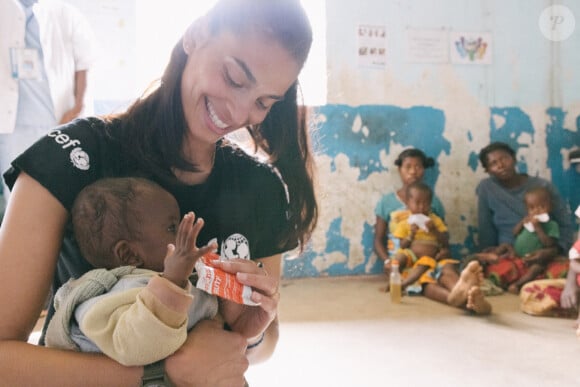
[(155, 125)]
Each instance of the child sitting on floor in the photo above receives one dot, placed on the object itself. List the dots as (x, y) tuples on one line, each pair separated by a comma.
[(534, 248), (421, 258), (423, 236)]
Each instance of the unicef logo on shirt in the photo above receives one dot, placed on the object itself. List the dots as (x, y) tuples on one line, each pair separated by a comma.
[(80, 159), (78, 156), (235, 246)]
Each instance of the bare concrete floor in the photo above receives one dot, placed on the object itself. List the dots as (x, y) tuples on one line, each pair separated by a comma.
[(345, 332)]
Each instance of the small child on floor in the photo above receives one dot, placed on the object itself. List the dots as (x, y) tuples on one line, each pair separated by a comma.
[(422, 258), (424, 239), (534, 248)]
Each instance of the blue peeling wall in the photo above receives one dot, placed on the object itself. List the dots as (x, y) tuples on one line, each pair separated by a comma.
[(529, 97)]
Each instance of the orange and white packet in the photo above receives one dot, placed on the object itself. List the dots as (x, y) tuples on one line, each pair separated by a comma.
[(215, 281)]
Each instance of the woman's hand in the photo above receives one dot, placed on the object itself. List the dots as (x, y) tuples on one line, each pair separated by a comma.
[(252, 321), (210, 357)]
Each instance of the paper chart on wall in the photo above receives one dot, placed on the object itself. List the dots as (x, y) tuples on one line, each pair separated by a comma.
[(426, 46), (474, 48), (372, 46)]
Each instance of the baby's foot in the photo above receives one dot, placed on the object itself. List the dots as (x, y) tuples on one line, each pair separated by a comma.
[(477, 302), (471, 276)]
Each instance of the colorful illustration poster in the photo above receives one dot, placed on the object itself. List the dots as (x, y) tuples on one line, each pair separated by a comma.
[(470, 47), (372, 46), (427, 46)]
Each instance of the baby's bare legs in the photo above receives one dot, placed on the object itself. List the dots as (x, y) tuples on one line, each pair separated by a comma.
[(533, 271), (414, 274), (471, 276)]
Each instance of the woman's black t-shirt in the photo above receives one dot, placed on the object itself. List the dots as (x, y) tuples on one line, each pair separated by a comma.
[(243, 202)]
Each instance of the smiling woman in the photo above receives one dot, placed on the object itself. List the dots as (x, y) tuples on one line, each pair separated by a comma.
[(234, 68)]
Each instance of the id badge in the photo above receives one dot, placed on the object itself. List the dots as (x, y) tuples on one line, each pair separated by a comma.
[(25, 63)]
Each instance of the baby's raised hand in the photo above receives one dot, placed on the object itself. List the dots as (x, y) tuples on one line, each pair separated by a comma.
[(414, 228), (181, 256)]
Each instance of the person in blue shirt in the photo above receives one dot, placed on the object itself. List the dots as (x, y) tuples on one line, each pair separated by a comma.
[(501, 205)]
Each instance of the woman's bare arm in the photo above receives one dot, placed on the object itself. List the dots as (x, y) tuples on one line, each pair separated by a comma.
[(258, 324), (266, 348), (380, 239), (30, 240)]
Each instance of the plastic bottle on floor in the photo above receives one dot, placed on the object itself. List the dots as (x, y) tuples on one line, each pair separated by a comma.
[(395, 283)]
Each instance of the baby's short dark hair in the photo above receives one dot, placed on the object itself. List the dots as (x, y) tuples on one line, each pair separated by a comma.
[(543, 191), (103, 213), (421, 187)]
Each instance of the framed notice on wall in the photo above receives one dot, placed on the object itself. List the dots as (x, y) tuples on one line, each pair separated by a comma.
[(427, 46), (372, 46)]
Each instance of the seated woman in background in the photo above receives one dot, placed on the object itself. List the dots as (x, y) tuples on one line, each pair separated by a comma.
[(513, 266), (391, 209), (501, 206)]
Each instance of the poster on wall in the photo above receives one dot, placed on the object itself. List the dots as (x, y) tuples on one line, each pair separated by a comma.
[(427, 46), (372, 46), (473, 48)]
